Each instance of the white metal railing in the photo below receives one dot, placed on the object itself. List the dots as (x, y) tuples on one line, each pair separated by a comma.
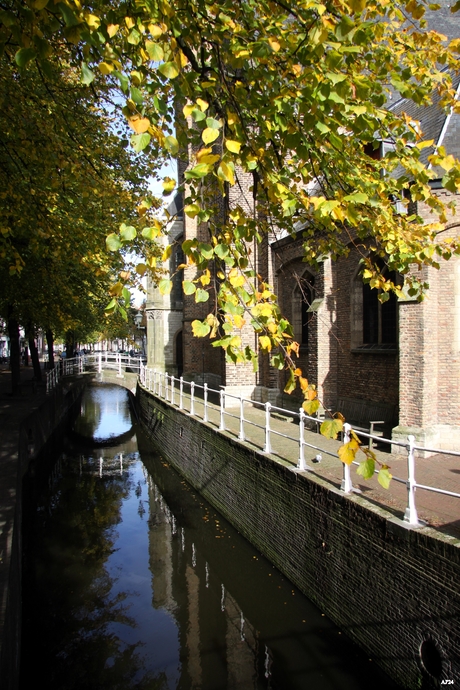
[(94, 360), (166, 387)]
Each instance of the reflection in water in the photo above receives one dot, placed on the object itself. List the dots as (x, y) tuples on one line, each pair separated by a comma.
[(134, 581), (104, 413)]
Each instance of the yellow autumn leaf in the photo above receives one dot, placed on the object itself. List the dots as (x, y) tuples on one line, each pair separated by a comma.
[(237, 281), (188, 109), (167, 253), (105, 68), (209, 135), (155, 30), (93, 21), (275, 45), (205, 279), (112, 29), (233, 146), (303, 383), (203, 105), (265, 343), (139, 124), (226, 172)]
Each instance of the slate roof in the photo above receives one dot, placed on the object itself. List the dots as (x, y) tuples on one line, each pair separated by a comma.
[(443, 128), (176, 207)]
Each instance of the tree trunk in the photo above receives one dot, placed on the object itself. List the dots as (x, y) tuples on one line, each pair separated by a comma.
[(15, 352), (34, 356), (50, 345), (69, 344)]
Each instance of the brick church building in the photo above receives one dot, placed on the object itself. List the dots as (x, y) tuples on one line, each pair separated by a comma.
[(402, 353)]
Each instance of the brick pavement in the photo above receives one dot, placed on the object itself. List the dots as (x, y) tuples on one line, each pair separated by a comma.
[(441, 471)]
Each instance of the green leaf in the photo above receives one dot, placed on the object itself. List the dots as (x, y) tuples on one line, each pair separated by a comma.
[(127, 232), (126, 296), (155, 51), (112, 306), (172, 145), (221, 250), (192, 210), (86, 75), (212, 123), (357, 198), (198, 171), (24, 55), (384, 477), (311, 406), (123, 79), (169, 70), (206, 250), (140, 141), (291, 382), (198, 115), (331, 428), (366, 468), (69, 17), (151, 233), (134, 37), (200, 329), (113, 242), (165, 286), (188, 287), (136, 95), (201, 295)]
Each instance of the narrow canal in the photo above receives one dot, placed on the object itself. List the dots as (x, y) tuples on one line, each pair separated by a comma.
[(133, 581)]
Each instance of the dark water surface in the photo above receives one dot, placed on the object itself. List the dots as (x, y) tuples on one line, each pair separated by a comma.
[(133, 581)]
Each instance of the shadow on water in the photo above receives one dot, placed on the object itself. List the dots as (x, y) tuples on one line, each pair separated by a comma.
[(134, 581)]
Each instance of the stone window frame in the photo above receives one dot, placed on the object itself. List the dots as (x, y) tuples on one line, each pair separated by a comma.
[(300, 307), (357, 344)]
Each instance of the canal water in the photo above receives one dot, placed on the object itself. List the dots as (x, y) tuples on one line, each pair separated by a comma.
[(134, 582)]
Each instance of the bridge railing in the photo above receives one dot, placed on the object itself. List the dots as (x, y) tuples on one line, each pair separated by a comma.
[(94, 361), (187, 394)]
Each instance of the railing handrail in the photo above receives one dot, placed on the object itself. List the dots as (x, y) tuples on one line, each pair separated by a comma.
[(411, 513), (164, 386)]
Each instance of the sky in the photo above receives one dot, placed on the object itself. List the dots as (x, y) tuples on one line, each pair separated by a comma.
[(168, 170)]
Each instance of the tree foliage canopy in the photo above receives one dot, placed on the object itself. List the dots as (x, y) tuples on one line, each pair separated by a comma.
[(294, 95)]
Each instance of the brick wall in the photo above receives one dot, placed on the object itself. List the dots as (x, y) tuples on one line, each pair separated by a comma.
[(390, 588)]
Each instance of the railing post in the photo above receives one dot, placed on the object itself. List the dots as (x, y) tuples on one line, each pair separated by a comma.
[(205, 402), (154, 381), (267, 447), (410, 515), (172, 390), (192, 398), (160, 384), (222, 420), (346, 486), (119, 364), (181, 393), (241, 434), (302, 466), (166, 385)]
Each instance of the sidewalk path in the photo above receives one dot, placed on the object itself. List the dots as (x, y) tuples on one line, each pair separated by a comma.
[(12, 411), (441, 471)]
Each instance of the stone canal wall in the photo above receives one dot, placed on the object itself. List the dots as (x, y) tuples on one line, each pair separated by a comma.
[(395, 591)]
